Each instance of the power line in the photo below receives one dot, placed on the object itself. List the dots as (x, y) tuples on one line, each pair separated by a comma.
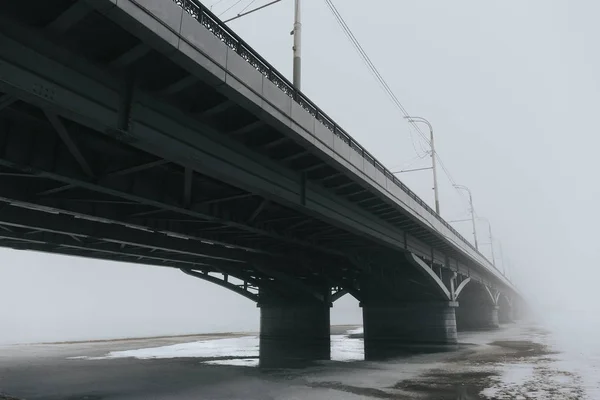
[(243, 14), (245, 8), (233, 5), (384, 85), (460, 193), (373, 69), (215, 3)]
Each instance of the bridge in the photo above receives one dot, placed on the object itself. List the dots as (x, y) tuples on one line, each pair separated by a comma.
[(147, 131)]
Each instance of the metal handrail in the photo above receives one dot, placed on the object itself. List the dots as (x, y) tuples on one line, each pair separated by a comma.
[(211, 22)]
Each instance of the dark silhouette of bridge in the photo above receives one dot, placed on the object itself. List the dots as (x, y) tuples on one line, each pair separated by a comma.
[(146, 131)]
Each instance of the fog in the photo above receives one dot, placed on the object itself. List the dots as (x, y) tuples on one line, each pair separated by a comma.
[(512, 91)]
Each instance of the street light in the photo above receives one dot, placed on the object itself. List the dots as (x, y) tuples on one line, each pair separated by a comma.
[(491, 239), (297, 42), (296, 32), (462, 187), (503, 260), (433, 165)]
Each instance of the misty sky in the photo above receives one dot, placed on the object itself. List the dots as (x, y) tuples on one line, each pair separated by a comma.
[(512, 89)]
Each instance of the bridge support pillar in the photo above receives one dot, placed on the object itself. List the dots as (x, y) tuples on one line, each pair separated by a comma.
[(477, 317), (293, 334), (505, 312), (505, 316), (395, 329), (517, 311)]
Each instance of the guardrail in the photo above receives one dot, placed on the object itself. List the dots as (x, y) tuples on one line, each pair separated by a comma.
[(211, 22)]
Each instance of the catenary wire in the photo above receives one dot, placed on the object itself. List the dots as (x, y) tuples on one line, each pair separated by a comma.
[(375, 72)]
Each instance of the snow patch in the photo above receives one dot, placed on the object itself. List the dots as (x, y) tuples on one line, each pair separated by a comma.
[(239, 351)]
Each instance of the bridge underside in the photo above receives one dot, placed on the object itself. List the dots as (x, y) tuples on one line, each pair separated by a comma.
[(110, 149)]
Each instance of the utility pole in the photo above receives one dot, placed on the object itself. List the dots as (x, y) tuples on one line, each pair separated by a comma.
[(503, 260), (492, 244), (472, 212), (433, 164), (297, 32), (491, 239)]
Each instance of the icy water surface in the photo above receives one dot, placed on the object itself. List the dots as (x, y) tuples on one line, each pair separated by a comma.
[(522, 361), (518, 361)]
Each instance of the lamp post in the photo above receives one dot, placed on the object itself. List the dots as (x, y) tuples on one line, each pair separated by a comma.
[(503, 260), (462, 187), (433, 164), (491, 239), (297, 45)]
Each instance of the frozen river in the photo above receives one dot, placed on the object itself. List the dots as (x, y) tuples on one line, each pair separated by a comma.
[(516, 362)]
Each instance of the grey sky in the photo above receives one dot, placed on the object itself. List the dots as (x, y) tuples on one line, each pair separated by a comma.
[(512, 90)]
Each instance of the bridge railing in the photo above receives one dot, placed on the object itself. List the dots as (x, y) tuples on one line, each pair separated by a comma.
[(211, 22)]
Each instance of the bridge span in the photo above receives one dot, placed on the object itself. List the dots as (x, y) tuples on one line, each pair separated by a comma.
[(147, 131)]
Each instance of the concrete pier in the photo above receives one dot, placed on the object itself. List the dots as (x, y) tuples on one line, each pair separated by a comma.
[(294, 334), (394, 329), (476, 316), (505, 311)]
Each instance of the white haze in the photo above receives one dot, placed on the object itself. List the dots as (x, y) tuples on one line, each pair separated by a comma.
[(512, 89)]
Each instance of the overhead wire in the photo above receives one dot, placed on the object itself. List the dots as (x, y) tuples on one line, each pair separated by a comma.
[(410, 163), (233, 5), (384, 85), (245, 8), (373, 69), (215, 3)]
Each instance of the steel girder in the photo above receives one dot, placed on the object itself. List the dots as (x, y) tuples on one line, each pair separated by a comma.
[(90, 98)]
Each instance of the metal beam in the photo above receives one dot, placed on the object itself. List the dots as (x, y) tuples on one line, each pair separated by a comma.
[(379, 206), (74, 252), (228, 198), (322, 232), (66, 138), (145, 213), (188, 176), (221, 282), (126, 98), (342, 186), (291, 281), (437, 284), (179, 85), (216, 109), (314, 167), (116, 232), (78, 11), (58, 189), (351, 194), (281, 219), (137, 168), (248, 128), (167, 132), (162, 204), (275, 143), (18, 175), (330, 177), (263, 204), (6, 101), (131, 56), (299, 224), (294, 156), (110, 250)]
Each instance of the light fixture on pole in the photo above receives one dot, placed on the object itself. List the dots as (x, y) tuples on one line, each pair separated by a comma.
[(433, 164), (462, 187), (297, 32), (503, 260), (491, 239)]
